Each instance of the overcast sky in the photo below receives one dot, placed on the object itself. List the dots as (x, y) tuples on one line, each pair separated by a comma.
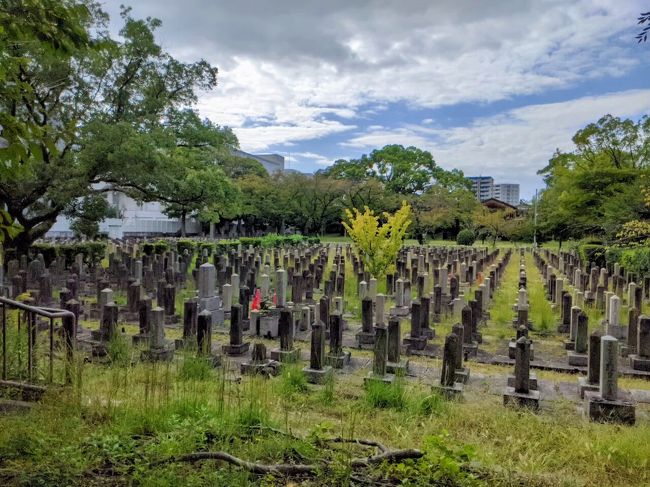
[(489, 87)]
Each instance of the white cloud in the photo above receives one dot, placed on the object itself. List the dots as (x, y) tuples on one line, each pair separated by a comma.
[(293, 71), (513, 145), (305, 161), (292, 63)]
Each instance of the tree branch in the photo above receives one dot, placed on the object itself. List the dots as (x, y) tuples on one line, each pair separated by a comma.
[(288, 469)]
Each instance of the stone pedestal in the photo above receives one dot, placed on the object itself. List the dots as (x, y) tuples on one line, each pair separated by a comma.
[(385, 379), (317, 376), (400, 311), (462, 375), (449, 392), (140, 339), (236, 349), (338, 361), (285, 356), (607, 411), (584, 386), (158, 355), (470, 349), (528, 399), (415, 343), (268, 368), (577, 359), (533, 386), (365, 338), (259, 364), (640, 363), (398, 368), (269, 325)]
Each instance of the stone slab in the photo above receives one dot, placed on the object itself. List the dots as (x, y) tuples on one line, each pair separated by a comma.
[(317, 376), (400, 369), (528, 400), (338, 361), (532, 382), (385, 379), (236, 350), (584, 387), (604, 411), (640, 363), (285, 356), (577, 359)]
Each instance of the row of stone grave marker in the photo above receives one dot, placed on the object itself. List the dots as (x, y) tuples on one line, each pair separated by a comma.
[(599, 352), (634, 335)]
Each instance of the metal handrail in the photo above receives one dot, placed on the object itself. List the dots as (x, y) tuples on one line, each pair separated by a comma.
[(39, 310), (69, 323)]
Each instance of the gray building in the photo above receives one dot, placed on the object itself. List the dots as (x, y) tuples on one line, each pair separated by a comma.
[(148, 218), (484, 189), (271, 162), (507, 192)]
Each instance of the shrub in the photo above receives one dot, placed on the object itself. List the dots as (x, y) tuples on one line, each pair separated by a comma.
[(224, 245), (254, 241), (592, 252), (636, 260), (186, 243), (147, 248), (465, 237), (160, 247), (49, 252), (93, 252), (207, 245), (292, 380)]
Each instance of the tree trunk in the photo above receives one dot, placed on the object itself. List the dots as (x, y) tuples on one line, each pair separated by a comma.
[(183, 218)]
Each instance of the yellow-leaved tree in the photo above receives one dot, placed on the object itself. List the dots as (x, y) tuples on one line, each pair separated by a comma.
[(378, 244)]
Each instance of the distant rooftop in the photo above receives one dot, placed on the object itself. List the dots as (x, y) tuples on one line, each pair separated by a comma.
[(271, 162)]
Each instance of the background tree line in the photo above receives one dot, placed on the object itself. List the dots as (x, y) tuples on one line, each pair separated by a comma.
[(83, 113)]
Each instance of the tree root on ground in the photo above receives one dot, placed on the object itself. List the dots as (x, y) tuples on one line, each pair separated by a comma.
[(385, 455)]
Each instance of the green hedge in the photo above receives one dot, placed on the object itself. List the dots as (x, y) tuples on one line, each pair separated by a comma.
[(185, 243), (636, 260), (93, 252), (159, 247), (275, 240), (49, 251), (592, 252)]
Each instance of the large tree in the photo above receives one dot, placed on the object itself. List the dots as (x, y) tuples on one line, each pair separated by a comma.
[(595, 188), (403, 170), (93, 112), (441, 208)]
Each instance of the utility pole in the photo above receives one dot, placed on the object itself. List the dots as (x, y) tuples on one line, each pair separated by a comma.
[(535, 222)]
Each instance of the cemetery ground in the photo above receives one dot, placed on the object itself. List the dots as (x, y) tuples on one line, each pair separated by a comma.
[(127, 421)]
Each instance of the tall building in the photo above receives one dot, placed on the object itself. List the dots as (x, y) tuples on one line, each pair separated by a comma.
[(482, 186), (507, 192)]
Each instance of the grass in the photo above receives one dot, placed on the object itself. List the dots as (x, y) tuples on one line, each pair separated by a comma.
[(155, 411), (119, 417), (144, 412)]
